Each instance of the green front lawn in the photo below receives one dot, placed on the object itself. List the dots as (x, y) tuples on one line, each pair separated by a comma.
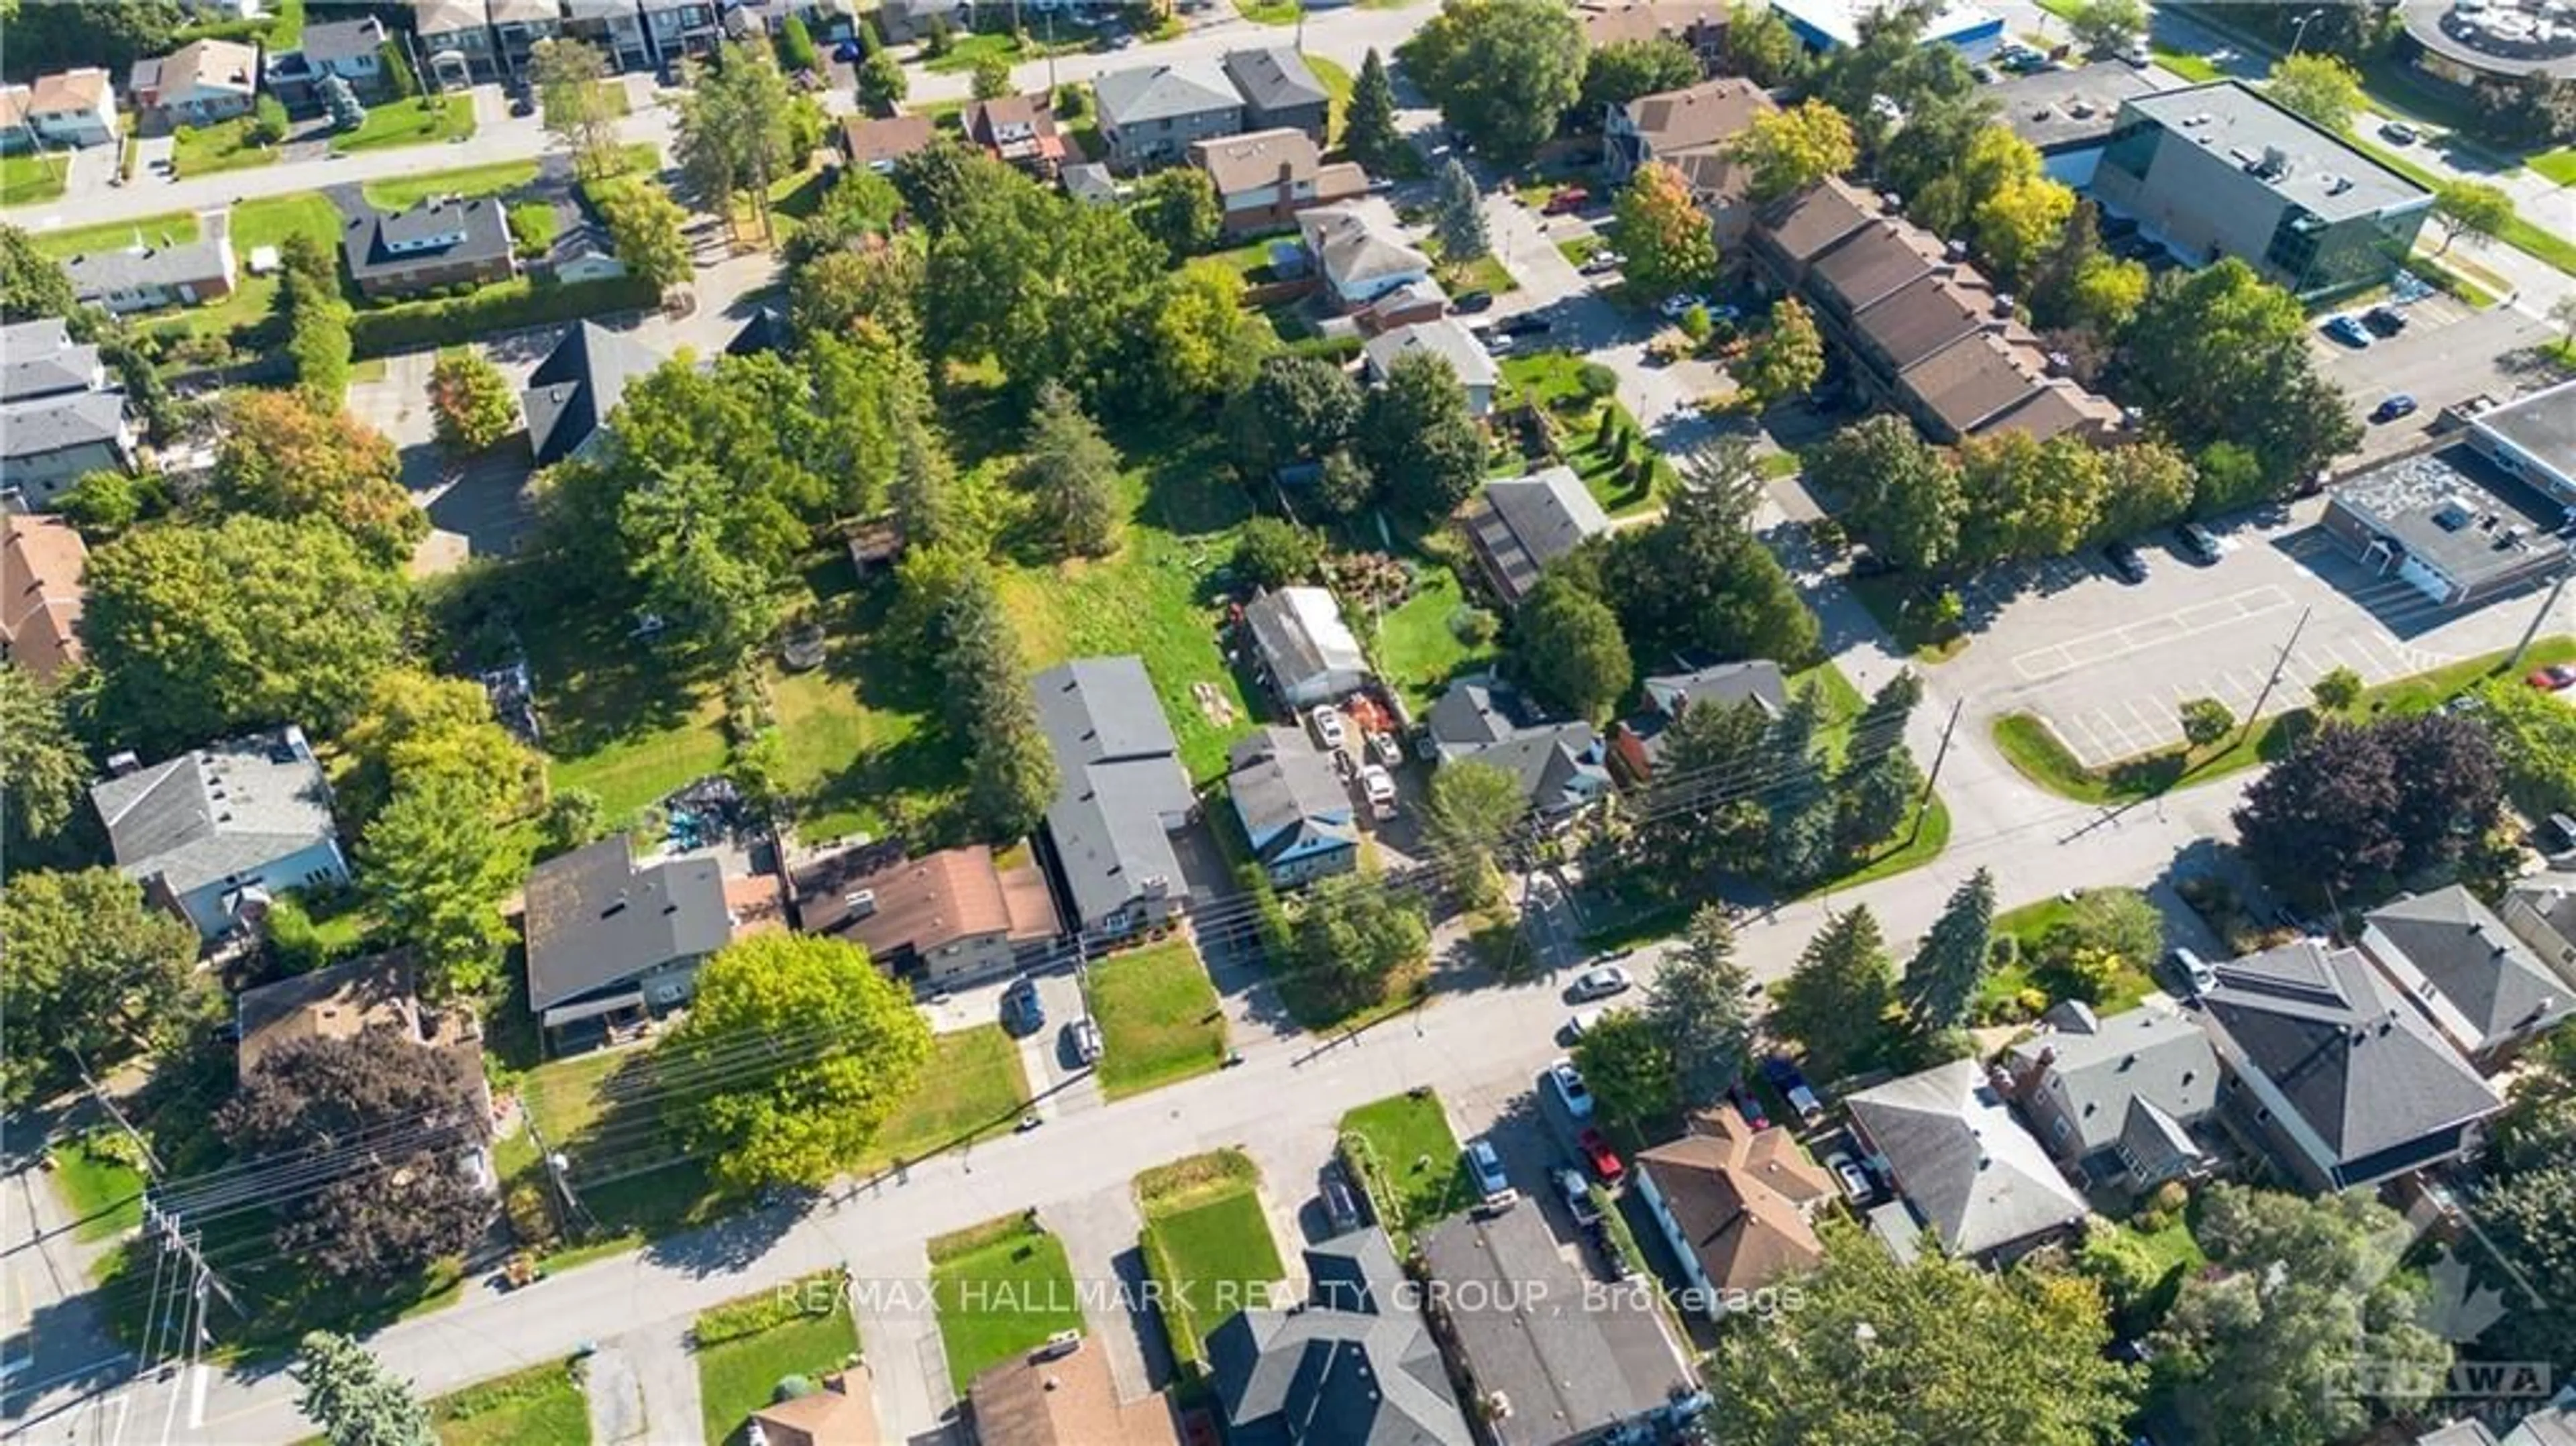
[(498, 178), (410, 123), (1270, 12), (973, 1087), (1337, 83), (1415, 1171), (540, 1406), (1003, 1287), (2186, 65), (1208, 1244), (2558, 167), (224, 146), (1552, 380), (1159, 1020), (1886, 597), (808, 1333), (26, 180), (176, 228), (2030, 927), (264, 222), (532, 227), (102, 1191), (1418, 648), (969, 50)]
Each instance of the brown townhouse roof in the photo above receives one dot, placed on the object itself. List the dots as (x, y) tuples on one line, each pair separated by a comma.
[(1246, 162), (1741, 1197), (1610, 24), (867, 140), (1932, 312), (926, 903), (838, 1413), (1066, 1401), (1340, 181), (1707, 114), (41, 561), (1876, 261), (2058, 406), (67, 90), (1806, 222), (984, 120), (1975, 380)]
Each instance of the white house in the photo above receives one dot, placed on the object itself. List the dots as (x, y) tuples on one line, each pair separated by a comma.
[(214, 833), (1305, 646), (1360, 258), (73, 108), (1445, 338)]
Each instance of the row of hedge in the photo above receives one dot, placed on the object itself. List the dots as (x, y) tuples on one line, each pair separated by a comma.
[(508, 306)]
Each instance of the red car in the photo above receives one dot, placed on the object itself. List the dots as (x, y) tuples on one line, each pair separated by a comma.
[(1598, 1154), (2553, 677), (1566, 202)]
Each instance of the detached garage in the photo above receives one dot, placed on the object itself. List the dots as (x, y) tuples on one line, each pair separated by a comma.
[(1305, 649)]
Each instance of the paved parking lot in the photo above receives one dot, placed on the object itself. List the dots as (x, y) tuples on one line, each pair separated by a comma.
[(2446, 355)]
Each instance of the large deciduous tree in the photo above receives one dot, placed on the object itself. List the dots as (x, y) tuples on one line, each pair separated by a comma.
[(471, 405), (1835, 1002), (414, 723), (1570, 643), (2324, 88), (91, 969), (1352, 936), (434, 870), (1416, 434), (736, 130), (1178, 210), (847, 1046), (1501, 71), (1786, 149), (1930, 1353), (1298, 407), (2104, 26), (1473, 808), (1785, 360), (282, 458), (2356, 806), (353, 1398), (32, 284), (644, 226), (1049, 288), (44, 774), (1627, 1065), (2221, 355), (1623, 70), (2471, 208), (575, 104), (1900, 491), (396, 1119), (1664, 235)]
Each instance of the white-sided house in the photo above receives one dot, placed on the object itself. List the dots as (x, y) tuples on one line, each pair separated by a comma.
[(1305, 647), (1359, 258), (198, 84), (214, 833), (1446, 339), (2483, 981), (73, 108), (2118, 1095), (1979, 1181)]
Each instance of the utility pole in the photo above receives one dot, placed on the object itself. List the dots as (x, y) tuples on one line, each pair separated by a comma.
[(2279, 665), (1050, 44), (2547, 606), (1940, 756)]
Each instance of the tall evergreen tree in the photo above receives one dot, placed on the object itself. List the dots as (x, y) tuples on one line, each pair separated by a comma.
[(1460, 215), (1835, 1003), (1701, 1003), (1941, 982), (353, 1398), (1011, 776), (1071, 472), (1881, 726), (1368, 126)]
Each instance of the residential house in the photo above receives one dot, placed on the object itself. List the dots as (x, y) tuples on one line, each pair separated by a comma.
[(517, 26), (41, 562), (1090, 183), (214, 833), (1929, 336), (1264, 178), (2118, 1096), (902, 22), (61, 416), (581, 251), (144, 277), (378, 992), (198, 84), (877, 143), (1698, 25), (1636, 742), (2485, 986), (1121, 794), (1981, 1183), (1304, 647), (1150, 114), (1410, 304), (1279, 90), (17, 132), (1048, 1397), (440, 241), (1359, 257), (1559, 763), (840, 1411), (682, 28), (73, 108), (576, 389), (1519, 525), (2335, 1076), (1295, 809), (353, 50), (1017, 129), (1736, 1205), (456, 40), (940, 920), (1354, 1365), (1549, 1359), (609, 938), (1693, 130), (616, 27), (1448, 339)]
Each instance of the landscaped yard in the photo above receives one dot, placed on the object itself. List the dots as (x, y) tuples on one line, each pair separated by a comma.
[(969, 50), (1003, 1287), (1553, 380), (1207, 1242), (264, 222), (1415, 1172), (540, 1406), (105, 1194), (224, 146), (1418, 648), (747, 1347), (410, 123), (1159, 1021), (2558, 167), (27, 179), (396, 192), (2030, 927)]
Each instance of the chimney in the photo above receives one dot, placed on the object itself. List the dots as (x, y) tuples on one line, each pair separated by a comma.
[(123, 763)]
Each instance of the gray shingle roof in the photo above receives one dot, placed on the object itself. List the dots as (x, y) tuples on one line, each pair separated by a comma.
[(1354, 1367), (1444, 338), (1164, 92), (39, 359), (2364, 1072), (208, 815), (2153, 1053), (98, 274), (596, 920), (2495, 983), (572, 392), (1121, 788), (1274, 77), (54, 424), (373, 243), (1967, 1165), (1486, 719), (1300, 634), (1286, 793), (334, 40), (1726, 684)]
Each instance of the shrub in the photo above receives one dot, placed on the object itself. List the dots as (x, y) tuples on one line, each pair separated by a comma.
[(1596, 380), (1474, 626), (1071, 101), (1697, 326), (422, 325), (936, 38), (751, 1317), (2170, 1197), (1277, 553), (531, 1218), (267, 123), (1828, 536), (796, 46)]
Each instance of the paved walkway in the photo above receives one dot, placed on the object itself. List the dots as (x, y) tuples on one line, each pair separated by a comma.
[(899, 1336), (666, 1377)]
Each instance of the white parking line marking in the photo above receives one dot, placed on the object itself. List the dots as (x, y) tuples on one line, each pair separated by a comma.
[(2046, 662)]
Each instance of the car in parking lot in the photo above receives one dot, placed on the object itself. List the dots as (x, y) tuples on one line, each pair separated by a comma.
[(1599, 982), (2397, 133), (2553, 677), (1605, 1162), (1857, 1186), (1581, 1022), (2384, 320), (1022, 1011), (2346, 328), (1486, 1164), (1472, 301), (2198, 542), (1084, 1036), (2398, 404), (1570, 1089), (2126, 561)]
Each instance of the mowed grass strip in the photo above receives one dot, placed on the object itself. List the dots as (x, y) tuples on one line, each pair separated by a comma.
[(1416, 1173), (1208, 1244), (973, 1087), (105, 1193), (803, 1329), (540, 1406), (1003, 1287), (1159, 1020)]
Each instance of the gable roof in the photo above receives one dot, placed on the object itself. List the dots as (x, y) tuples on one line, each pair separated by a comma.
[(58, 423), (68, 90), (1089, 182), (1353, 250), (1740, 1196), (1355, 1366), (42, 558), (1522, 524), (838, 1412), (1484, 718), (878, 141), (1164, 92), (380, 243), (572, 392), (2364, 1073), (2478, 981), (446, 17), (39, 359), (200, 65), (207, 815), (1756, 680), (1255, 159), (1300, 634), (595, 919), (922, 904), (1287, 795), (1967, 1165), (1803, 223), (97, 275), (2097, 1069), (1697, 119), (1034, 1399), (376, 991), (1443, 337), (1014, 128), (333, 40), (1274, 77), (1620, 20), (1120, 788)]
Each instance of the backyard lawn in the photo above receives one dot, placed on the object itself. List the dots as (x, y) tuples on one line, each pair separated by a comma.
[(1553, 381), (397, 192), (25, 180), (1003, 1287), (1418, 648), (747, 1347), (225, 146), (1415, 1172), (1208, 1244), (105, 1194), (1159, 1021), (410, 123), (540, 1406)]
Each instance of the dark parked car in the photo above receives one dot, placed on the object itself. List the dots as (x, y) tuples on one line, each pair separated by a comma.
[(1472, 301), (2398, 405), (2398, 133), (2384, 320), (1525, 325), (2198, 543), (1022, 1012), (2125, 561)]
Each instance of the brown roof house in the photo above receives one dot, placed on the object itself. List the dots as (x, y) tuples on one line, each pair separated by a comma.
[(1264, 178), (945, 918), (836, 1413), (1693, 130), (1016, 129), (1058, 1397), (1735, 1204), (198, 84), (1698, 24), (878, 142), (41, 561)]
